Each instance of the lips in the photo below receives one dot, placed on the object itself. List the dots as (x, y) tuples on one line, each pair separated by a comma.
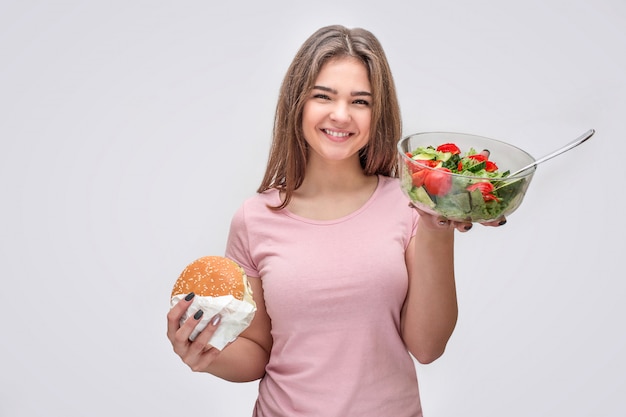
[(336, 135)]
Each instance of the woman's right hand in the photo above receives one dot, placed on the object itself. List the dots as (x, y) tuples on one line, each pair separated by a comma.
[(199, 354), (242, 360)]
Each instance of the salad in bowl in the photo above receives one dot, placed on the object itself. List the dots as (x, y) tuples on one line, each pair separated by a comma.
[(463, 177)]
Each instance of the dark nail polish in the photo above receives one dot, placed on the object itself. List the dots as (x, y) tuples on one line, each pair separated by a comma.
[(502, 222), (198, 314), (216, 320), (189, 296), (468, 227)]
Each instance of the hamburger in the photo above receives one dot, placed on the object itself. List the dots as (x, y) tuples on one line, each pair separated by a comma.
[(221, 287)]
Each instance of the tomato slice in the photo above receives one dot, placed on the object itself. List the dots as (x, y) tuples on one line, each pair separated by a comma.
[(449, 147), (438, 181), (431, 163), (419, 177), (484, 187), (490, 197), (478, 157), (490, 166)]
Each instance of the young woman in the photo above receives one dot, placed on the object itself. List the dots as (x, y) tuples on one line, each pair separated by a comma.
[(350, 281)]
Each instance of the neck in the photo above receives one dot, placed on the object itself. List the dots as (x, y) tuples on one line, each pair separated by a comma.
[(333, 177), (332, 191)]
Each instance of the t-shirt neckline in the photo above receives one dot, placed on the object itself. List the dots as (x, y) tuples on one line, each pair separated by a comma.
[(348, 216)]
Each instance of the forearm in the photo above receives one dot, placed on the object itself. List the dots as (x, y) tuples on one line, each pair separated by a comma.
[(430, 311), (241, 361)]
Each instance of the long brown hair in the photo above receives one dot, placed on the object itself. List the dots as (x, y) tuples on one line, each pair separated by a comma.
[(288, 153)]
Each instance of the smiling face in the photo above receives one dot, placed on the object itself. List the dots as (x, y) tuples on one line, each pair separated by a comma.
[(337, 115)]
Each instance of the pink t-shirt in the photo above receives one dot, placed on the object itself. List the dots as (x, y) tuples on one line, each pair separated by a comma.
[(333, 290)]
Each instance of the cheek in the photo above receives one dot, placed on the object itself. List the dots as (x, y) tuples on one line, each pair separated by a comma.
[(365, 122), (308, 117)]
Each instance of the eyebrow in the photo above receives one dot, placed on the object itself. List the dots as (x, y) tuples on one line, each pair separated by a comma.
[(333, 91)]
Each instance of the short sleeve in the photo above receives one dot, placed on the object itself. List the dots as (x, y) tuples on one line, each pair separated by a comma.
[(238, 243)]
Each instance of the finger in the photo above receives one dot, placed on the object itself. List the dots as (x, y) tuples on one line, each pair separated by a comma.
[(463, 227), (176, 313), (437, 222), (199, 354), (498, 222), (182, 336), (180, 341), (201, 342)]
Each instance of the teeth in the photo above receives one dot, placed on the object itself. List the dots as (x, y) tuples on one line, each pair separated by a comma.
[(336, 134)]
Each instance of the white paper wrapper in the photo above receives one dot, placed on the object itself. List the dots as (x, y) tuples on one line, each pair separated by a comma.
[(236, 317)]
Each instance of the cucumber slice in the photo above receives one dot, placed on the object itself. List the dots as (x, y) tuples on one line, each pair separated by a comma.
[(420, 195)]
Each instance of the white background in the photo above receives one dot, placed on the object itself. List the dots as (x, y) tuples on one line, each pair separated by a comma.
[(130, 131)]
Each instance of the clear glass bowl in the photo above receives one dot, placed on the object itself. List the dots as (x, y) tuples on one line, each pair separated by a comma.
[(476, 197)]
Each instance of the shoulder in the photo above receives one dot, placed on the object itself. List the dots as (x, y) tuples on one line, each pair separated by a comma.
[(389, 199), (251, 218), (257, 206), (268, 197), (394, 203), (390, 188), (388, 182)]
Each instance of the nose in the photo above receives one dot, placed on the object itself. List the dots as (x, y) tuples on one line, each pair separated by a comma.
[(340, 113)]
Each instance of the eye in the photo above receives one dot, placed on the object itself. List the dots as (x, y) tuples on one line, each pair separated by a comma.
[(361, 102), (321, 96)]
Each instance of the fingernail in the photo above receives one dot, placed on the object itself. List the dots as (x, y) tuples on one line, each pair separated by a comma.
[(468, 226), (189, 296), (216, 320), (198, 314), (502, 222)]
